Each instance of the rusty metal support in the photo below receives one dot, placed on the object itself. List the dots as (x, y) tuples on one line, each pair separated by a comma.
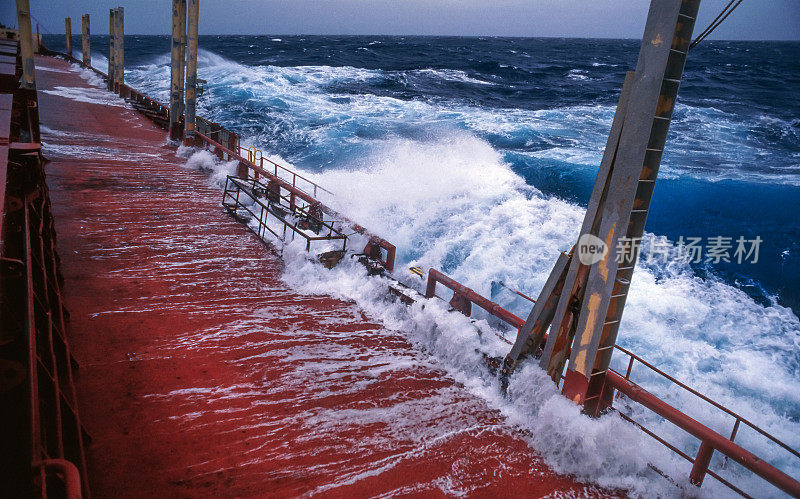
[(586, 319), (641, 144), (701, 462), (68, 32), (532, 334), (86, 44), (119, 48), (176, 123), (191, 66), (111, 52), (28, 80)]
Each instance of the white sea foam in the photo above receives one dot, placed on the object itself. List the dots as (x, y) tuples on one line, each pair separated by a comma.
[(577, 74), (87, 74), (451, 75), (51, 70), (88, 95)]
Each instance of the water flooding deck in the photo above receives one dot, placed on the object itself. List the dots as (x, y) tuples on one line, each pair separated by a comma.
[(202, 374)]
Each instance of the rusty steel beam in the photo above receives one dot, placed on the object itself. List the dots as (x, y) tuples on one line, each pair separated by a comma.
[(586, 319), (68, 31), (176, 123), (119, 48), (182, 76), (28, 80), (659, 71), (532, 334), (86, 44), (111, 52), (191, 66)]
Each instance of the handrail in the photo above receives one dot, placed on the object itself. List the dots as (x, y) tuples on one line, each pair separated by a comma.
[(710, 439), (206, 142), (738, 418), (267, 209), (260, 158), (434, 276), (66, 472)]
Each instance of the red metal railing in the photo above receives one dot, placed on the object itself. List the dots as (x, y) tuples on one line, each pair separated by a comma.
[(710, 440), (40, 427), (255, 209), (256, 156), (462, 296), (246, 166)]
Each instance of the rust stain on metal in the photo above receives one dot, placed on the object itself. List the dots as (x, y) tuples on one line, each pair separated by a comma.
[(593, 308), (658, 41)]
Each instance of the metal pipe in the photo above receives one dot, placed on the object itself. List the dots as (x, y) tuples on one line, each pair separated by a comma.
[(434, 276), (26, 44), (708, 436), (111, 13), (701, 462), (191, 66), (176, 72), (67, 472), (68, 32), (119, 48), (86, 43)]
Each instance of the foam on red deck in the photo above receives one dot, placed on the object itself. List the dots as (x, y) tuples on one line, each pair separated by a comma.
[(201, 373)]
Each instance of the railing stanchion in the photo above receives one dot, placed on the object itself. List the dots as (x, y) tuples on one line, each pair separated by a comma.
[(701, 462)]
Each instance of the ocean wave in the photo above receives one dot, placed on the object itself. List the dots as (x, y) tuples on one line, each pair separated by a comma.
[(705, 142), (454, 204)]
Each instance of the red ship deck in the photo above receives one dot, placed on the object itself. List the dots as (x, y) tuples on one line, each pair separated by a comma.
[(202, 374)]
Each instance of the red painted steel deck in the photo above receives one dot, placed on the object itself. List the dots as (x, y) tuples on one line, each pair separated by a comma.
[(202, 374)]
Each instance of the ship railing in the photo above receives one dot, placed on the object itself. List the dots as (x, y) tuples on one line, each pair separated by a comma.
[(247, 169), (262, 210), (256, 156), (464, 297), (37, 390), (708, 438), (461, 301)]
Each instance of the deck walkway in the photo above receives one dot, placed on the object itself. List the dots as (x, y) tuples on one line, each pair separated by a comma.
[(202, 374)]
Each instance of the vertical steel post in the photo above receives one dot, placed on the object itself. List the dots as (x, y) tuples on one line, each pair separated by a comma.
[(182, 75), (701, 462), (68, 23), (26, 44), (191, 66), (86, 43), (176, 73), (119, 48), (111, 13)]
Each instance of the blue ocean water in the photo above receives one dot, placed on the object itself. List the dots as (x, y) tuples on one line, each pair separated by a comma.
[(478, 155)]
